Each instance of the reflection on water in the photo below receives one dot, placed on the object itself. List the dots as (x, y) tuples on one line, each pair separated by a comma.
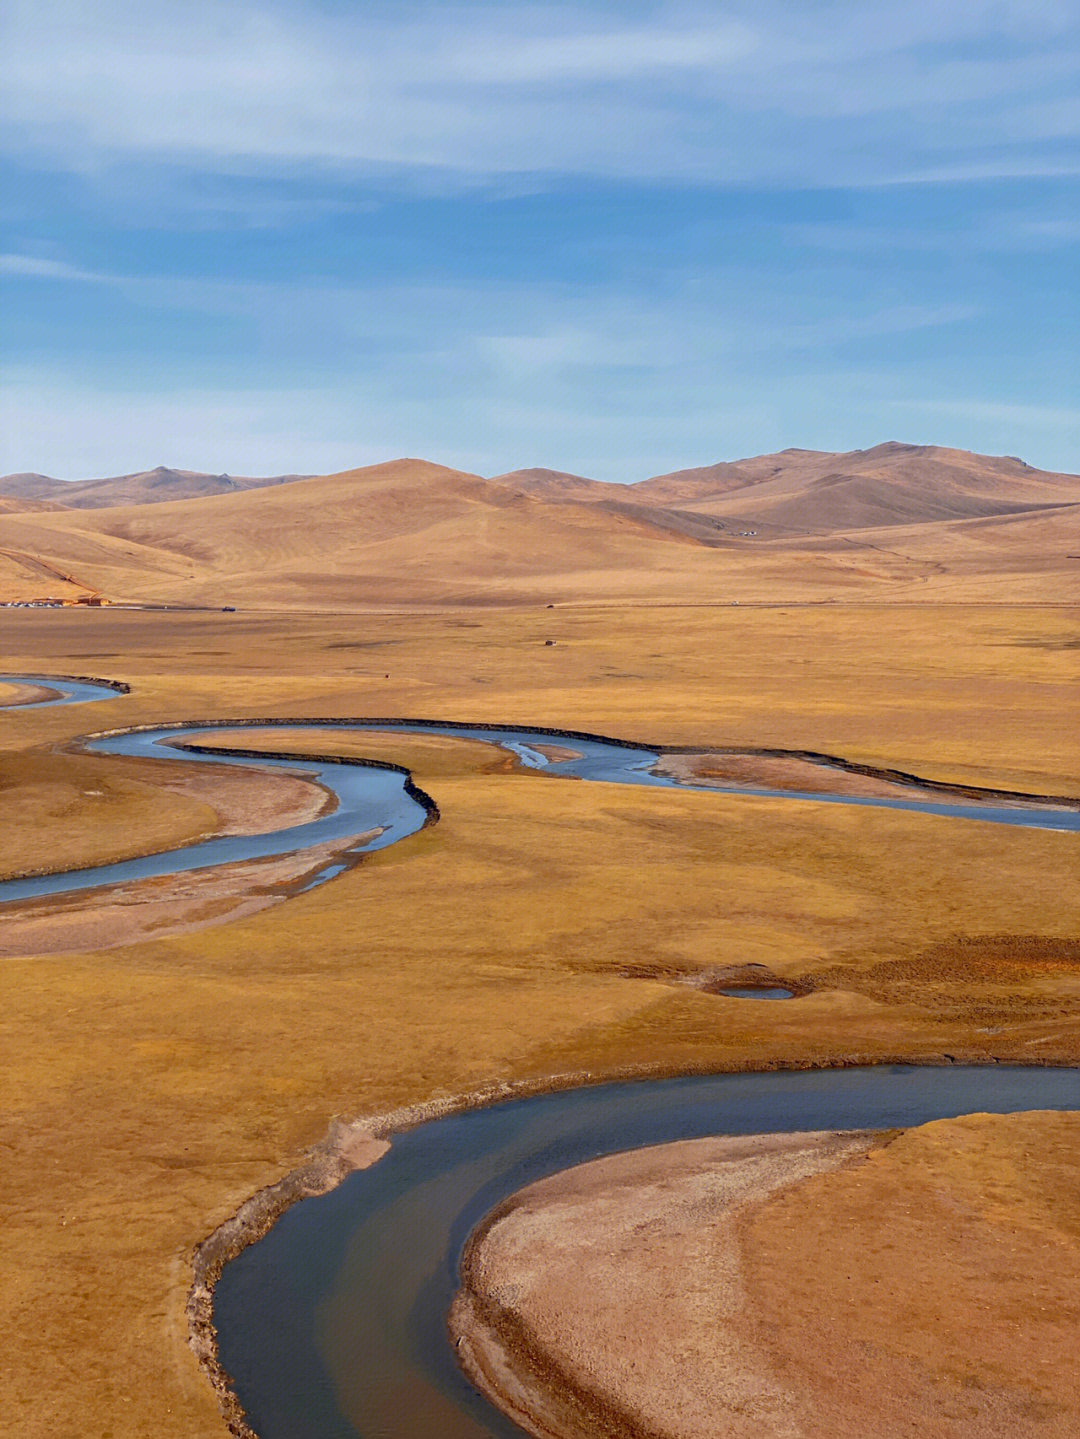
[(774, 992)]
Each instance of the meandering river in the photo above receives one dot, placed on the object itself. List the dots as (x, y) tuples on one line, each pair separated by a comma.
[(381, 799), (333, 1324)]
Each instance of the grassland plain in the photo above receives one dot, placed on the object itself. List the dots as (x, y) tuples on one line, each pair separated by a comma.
[(535, 930)]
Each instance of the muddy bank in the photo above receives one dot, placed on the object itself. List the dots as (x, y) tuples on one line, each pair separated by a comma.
[(608, 1300), (12, 696), (934, 1289), (348, 1147), (807, 773), (248, 801), (123, 914)]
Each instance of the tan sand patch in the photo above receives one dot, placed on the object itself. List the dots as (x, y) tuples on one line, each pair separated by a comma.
[(609, 1300)]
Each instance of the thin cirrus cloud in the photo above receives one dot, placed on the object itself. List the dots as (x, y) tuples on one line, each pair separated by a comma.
[(36, 267), (850, 92), (612, 236), (557, 328)]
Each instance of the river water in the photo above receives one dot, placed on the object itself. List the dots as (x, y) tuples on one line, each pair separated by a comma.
[(333, 1325), (375, 798)]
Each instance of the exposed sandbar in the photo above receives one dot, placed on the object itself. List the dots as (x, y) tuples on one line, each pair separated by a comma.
[(14, 695), (170, 904), (804, 774)]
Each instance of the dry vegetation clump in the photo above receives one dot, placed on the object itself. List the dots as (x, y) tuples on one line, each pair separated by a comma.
[(983, 978)]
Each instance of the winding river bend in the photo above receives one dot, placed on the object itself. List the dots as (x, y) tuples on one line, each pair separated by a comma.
[(333, 1324), (65, 690), (378, 798)]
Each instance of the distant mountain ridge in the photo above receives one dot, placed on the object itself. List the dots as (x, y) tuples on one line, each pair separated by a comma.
[(819, 492), (896, 520), (804, 491), (142, 488)]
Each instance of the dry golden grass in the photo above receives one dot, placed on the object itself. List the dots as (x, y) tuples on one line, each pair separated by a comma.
[(150, 1088), (62, 812), (932, 1287)]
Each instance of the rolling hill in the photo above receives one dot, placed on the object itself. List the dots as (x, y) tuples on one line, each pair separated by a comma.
[(15, 505), (898, 521), (556, 484), (891, 484)]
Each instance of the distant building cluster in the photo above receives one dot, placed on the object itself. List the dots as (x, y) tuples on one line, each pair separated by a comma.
[(54, 602)]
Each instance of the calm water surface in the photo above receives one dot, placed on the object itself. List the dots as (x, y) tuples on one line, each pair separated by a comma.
[(368, 798), (333, 1325)]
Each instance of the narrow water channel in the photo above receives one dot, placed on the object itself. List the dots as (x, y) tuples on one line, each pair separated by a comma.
[(65, 691)]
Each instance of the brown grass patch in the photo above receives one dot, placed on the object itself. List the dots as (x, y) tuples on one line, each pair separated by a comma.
[(933, 1288), (980, 977)]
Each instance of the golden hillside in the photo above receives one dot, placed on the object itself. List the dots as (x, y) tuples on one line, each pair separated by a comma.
[(895, 522)]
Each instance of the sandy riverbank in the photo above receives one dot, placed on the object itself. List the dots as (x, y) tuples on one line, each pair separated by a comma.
[(779, 1287), (740, 769), (13, 696), (608, 1300), (175, 904), (245, 800)]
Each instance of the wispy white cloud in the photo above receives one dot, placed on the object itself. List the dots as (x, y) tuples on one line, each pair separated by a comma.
[(484, 375), (34, 267), (600, 56), (978, 170), (644, 340), (995, 229), (521, 328), (850, 91)]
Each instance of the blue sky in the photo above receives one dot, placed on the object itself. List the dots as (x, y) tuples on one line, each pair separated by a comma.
[(610, 238)]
